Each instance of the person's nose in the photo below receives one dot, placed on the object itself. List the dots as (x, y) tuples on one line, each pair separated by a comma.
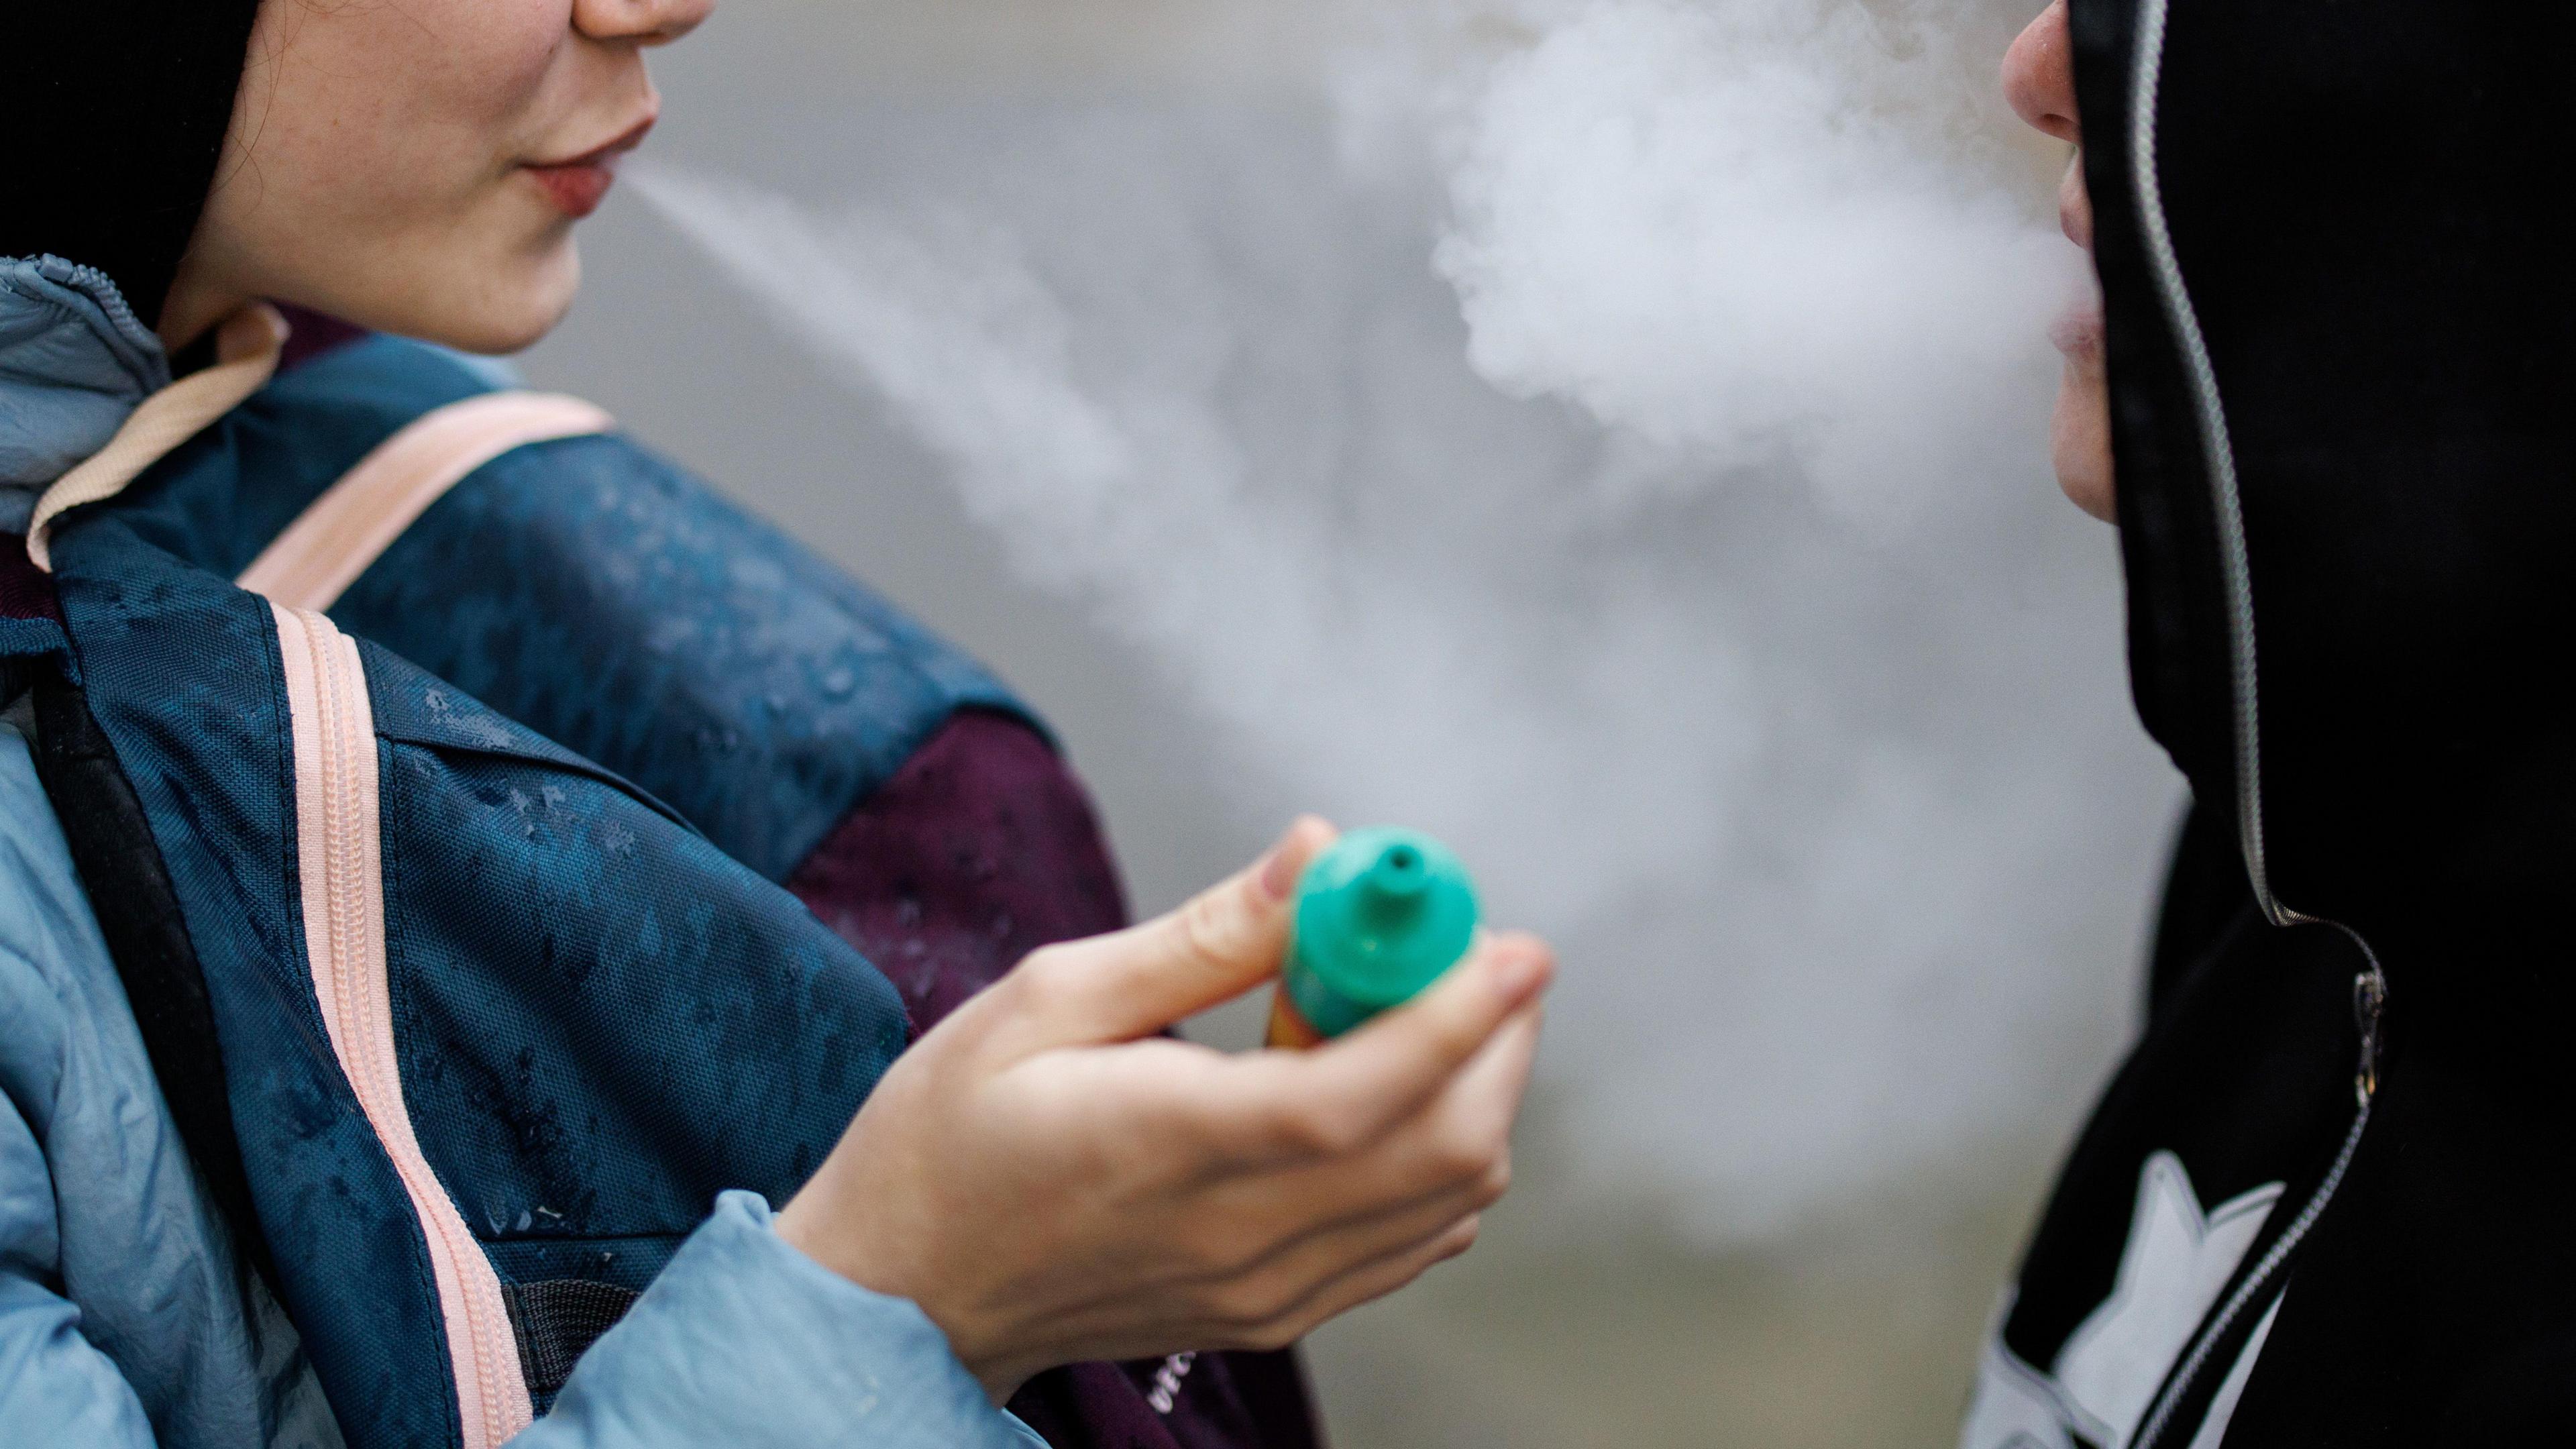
[(2039, 75), (642, 22)]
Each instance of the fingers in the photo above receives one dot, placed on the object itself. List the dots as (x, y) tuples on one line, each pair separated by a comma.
[(1221, 943), (1387, 1070), (1347, 1093), (1375, 1280), (1326, 1252), (1459, 1139), (1453, 1159), (1464, 1137), (1362, 1283)]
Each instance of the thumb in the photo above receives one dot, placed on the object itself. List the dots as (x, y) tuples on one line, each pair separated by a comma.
[(1216, 946)]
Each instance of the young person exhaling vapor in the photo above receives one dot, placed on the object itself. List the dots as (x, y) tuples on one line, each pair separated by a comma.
[(2324, 1202), (444, 850)]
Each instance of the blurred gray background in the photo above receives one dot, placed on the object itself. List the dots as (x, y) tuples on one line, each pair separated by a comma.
[(1836, 810)]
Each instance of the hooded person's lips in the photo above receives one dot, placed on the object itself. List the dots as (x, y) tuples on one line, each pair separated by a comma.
[(577, 184), (2078, 333)]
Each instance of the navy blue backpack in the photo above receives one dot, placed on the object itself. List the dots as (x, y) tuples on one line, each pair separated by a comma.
[(464, 1029)]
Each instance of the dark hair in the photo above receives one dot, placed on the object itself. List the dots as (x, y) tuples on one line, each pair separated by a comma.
[(115, 112)]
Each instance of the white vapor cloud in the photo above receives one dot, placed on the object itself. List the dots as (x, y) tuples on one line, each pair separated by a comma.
[(1638, 481)]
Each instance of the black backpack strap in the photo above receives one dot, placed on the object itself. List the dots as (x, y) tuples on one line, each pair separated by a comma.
[(129, 889), (556, 1321)]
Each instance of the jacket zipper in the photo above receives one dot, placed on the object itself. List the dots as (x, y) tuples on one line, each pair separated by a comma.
[(2369, 996), (340, 862), (102, 289), (2370, 986)]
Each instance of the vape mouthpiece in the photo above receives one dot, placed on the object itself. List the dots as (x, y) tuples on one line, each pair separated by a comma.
[(1399, 874), (1378, 917)]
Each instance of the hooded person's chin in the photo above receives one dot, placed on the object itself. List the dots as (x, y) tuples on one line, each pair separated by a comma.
[(2079, 440)]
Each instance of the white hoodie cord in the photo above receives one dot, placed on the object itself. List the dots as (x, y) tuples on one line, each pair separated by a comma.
[(246, 352)]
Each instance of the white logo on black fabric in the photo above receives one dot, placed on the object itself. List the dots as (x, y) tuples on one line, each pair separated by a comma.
[(2177, 1261)]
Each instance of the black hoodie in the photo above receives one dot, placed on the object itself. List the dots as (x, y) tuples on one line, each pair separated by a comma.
[(2327, 1200)]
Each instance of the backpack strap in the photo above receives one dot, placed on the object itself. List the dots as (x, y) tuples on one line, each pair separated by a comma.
[(315, 559), (557, 1320), (120, 867)]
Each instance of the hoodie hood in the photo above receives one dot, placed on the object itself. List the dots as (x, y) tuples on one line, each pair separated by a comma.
[(2338, 337)]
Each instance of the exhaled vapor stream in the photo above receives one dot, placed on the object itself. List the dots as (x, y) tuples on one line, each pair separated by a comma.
[(1668, 528)]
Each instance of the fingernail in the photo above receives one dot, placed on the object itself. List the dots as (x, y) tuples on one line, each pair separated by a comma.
[(1279, 873), (1519, 971)]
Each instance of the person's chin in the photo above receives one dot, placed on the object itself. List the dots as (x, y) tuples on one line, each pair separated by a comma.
[(2079, 443), (2079, 431), (516, 303)]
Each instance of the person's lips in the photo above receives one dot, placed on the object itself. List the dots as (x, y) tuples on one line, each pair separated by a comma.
[(2078, 334), (577, 184)]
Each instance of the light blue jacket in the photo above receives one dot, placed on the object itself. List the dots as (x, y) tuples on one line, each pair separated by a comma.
[(125, 1319)]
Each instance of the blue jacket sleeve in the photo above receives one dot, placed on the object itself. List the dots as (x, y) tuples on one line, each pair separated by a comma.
[(56, 1387), (744, 1340)]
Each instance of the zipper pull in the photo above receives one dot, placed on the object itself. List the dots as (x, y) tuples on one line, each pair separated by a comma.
[(2369, 999)]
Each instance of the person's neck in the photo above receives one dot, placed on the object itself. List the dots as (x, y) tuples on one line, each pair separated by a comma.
[(193, 307)]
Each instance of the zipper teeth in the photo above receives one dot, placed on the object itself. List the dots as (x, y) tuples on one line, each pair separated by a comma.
[(2217, 454), (103, 290), (346, 733), (358, 1016), (340, 868), (351, 887), (2168, 1403)]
